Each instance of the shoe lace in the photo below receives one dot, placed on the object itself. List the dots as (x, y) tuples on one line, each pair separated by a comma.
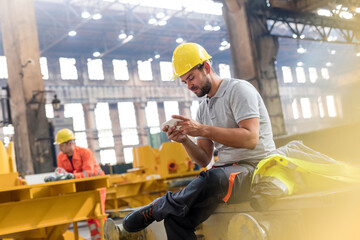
[(147, 214)]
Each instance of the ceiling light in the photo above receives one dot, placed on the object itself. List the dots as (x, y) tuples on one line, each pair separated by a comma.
[(85, 14), (224, 42), (160, 15), (324, 12), (96, 16), (329, 64), (72, 33), (331, 38), (357, 10), (294, 35), (150, 59), (152, 21), (122, 35), (346, 15), (332, 52), (179, 40), (300, 64), (302, 36), (162, 23), (301, 50), (96, 54), (207, 27), (216, 28), (358, 54), (157, 56)]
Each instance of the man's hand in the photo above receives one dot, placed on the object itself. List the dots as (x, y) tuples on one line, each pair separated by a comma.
[(189, 126), (174, 135)]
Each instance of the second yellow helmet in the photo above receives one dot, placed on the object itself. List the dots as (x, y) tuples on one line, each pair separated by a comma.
[(64, 135)]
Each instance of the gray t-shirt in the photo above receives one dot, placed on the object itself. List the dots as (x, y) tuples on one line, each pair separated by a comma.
[(234, 101)]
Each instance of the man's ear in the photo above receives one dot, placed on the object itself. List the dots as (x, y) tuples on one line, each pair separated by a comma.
[(207, 67)]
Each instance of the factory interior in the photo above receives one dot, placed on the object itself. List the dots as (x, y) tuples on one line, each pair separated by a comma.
[(103, 68)]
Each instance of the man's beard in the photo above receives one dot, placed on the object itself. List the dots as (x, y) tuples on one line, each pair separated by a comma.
[(205, 89)]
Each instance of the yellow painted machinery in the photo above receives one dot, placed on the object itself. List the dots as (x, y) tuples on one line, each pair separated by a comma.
[(45, 211), (154, 172)]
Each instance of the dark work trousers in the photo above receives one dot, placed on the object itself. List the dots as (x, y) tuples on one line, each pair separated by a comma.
[(184, 210)]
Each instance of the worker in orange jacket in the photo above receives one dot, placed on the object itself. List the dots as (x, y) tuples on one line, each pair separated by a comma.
[(81, 163)]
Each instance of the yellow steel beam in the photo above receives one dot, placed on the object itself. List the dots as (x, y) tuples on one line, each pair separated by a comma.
[(25, 208)]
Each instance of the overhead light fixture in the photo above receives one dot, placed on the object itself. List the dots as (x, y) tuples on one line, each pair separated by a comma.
[(85, 14), (122, 35), (160, 15), (162, 22), (179, 40), (157, 55), (358, 54), (72, 33), (295, 35), (97, 16), (152, 21), (300, 64), (207, 27), (96, 54), (332, 52), (357, 10), (216, 28), (150, 59), (324, 12), (329, 64), (224, 42), (302, 36), (301, 50)]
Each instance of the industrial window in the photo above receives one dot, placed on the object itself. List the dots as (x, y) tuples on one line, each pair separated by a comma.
[(166, 71), (152, 117), (3, 67), (305, 107), (330, 102), (103, 125), (325, 73), (300, 75), (95, 69), (224, 70), (128, 155), (171, 108), (108, 156), (49, 110), (321, 107), (44, 68), (68, 69), (129, 132), (194, 107), (144, 70), (287, 75), (8, 133), (121, 71), (75, 110), (295, 109), (313, 74)]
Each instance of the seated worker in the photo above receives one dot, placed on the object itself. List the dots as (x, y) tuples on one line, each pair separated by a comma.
[(81, 163), (233, 119)]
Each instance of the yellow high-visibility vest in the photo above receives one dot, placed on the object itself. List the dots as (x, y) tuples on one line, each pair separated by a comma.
[(293, 175)]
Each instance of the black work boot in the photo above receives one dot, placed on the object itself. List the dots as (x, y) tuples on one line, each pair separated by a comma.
[(139, 219)]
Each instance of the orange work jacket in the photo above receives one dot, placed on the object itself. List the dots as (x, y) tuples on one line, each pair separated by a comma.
[(83, 163)]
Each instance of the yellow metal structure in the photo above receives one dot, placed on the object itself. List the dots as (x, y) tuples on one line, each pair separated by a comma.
[(44, 211), (149, 179), (7, 158)]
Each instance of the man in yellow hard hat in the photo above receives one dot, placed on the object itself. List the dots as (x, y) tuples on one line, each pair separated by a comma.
[(81, 163), (233, 119)]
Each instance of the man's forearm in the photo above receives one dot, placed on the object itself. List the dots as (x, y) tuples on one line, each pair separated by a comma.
[(196, 153)]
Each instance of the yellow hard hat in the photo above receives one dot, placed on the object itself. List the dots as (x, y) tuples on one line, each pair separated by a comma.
[(186, 56), (64, 135)]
